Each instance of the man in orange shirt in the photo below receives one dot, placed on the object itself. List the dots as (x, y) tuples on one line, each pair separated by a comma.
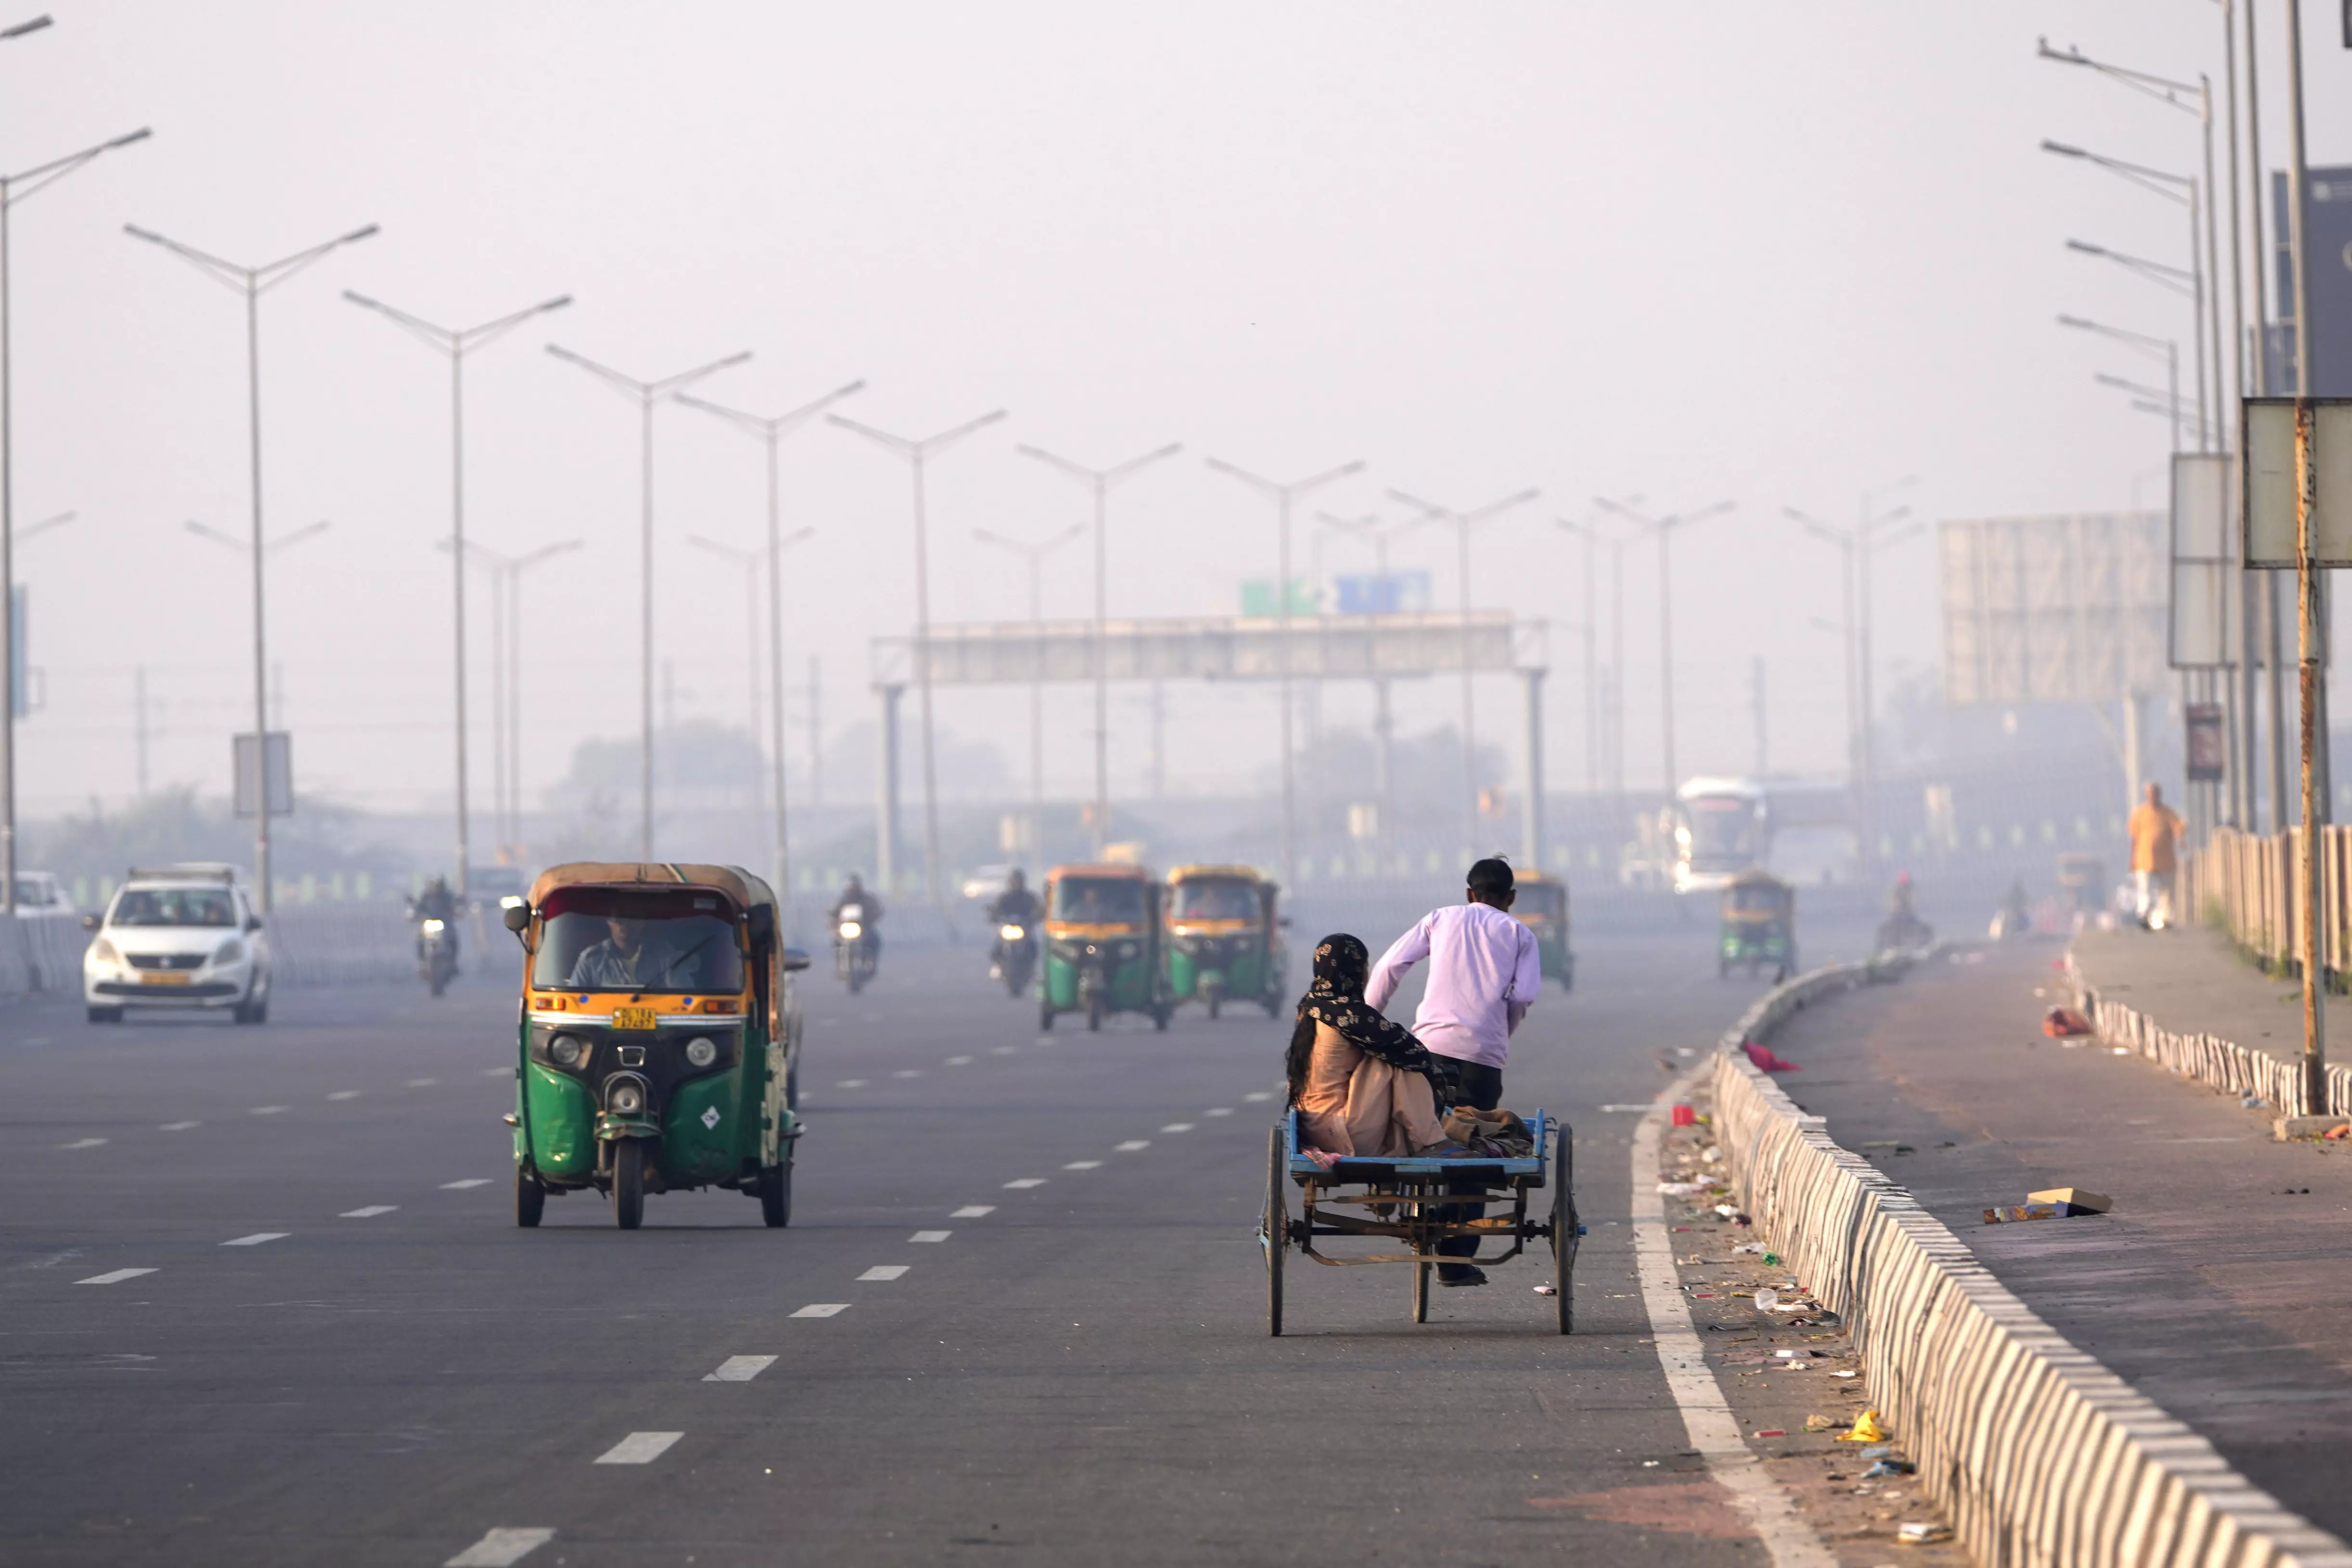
[(2155, 829)]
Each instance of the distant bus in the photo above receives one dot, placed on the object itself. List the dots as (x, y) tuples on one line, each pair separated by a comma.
[(1722, 826)]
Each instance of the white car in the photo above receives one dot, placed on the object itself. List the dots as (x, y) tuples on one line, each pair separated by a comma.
[(181, 936)]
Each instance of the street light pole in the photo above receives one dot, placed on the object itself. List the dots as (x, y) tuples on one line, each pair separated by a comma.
[(1462, 522), (1034, 556), (2166, 348), (1662, 529), (1591, 537), (1100, 480), (750, 561), (456, 342), (1371, 527), (253, 282), (647, 393), (917, 454), (772, 429), (1283, 495), (1841, 539)]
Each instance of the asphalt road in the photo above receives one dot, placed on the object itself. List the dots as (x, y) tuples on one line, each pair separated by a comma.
[(262, 1301)]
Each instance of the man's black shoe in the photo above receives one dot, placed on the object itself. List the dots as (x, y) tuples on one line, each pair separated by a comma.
[(1470, 1275)]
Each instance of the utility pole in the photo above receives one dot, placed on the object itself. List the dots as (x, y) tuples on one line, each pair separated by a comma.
[(1662, 529), (1033, 556), (1384, 603), (2309, 601)]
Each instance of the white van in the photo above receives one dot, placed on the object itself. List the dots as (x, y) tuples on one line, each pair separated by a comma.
[(178, 937)]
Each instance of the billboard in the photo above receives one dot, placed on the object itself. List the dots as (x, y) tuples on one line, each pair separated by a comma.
[(2209, 597), (2057, 609), (247, 790), (1383, 594), (2327, 247)]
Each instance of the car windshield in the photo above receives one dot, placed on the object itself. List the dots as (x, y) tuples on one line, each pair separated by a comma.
[(1098, 901), (1723, 831), (1214, 898), (583, 950), (174, 906)]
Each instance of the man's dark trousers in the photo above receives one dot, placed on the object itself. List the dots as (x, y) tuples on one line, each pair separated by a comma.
[(1482, 1086)]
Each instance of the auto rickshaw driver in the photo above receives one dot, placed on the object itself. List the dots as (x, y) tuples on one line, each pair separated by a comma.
[(625, 959)]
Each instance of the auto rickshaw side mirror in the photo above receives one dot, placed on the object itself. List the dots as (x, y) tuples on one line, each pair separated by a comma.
[(763, 922), (794, 960), (517, 917)]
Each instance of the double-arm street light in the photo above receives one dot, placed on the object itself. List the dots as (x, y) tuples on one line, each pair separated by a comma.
[(1583, 530), (919, 454), (15, 188), (253, 282), (752, 560), (456, 343), (2165, 349), (1284, 495), (1663, 529), (506, 673), (771, 430), (647, 394), (1382, 532), (1100, 480), (1033, 555), (1463, 522)]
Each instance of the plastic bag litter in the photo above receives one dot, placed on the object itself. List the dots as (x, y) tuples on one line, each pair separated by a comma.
[(1922, 1533), (1547, 1290), (1890, 1468), (1819, 1423), (1866, 1429), (1749, 1247), (1768, 1300)]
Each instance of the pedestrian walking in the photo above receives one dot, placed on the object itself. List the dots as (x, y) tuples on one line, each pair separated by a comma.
[(2155, 829)]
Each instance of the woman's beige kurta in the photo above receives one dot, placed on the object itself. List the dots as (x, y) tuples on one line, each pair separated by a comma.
[(1359, 1105)]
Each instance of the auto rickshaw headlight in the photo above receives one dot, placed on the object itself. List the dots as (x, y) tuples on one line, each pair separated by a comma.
[(701, 1051), (628, 1099), (567, 1050)]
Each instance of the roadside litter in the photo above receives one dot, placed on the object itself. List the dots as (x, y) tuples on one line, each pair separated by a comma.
[(1547, 1290), (1819, 1423), (1890, 1468), (1923, 1533), (1762, 1056), (2064, 1023), (1866, 1429), (2052, 1203)]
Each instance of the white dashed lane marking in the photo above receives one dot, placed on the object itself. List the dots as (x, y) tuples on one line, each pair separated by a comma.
[(1177, 1127), (1132, 1145), (1083, 1166), (822, 1310), (1021, 1183), (1261, 1094), (739, 1369), (907, 1073), (1002, 1049), (883, 1271), (178, 1126), (370, 1212), (973, 1211), (498, 1072), (82, 1144), (639, 1448), (930, 1236), (1218, 1111), (462, 1186), (851, 1083), (423, 1082), (959, 1062), (270, 1110), (501, 1548), (345, 1095), (115, 1278), (258, 1238)]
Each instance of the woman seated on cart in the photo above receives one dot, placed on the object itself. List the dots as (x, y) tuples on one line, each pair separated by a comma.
[(1365, 1088)]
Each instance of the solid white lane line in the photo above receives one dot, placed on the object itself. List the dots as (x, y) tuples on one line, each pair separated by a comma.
[(739, 1369), (345, 1095), (1019, 1183), (270, 1110), (1177, 1127), (1083, 1166), (178, 1126), (822, 1310), (883, 1271), (1706, 1417), (959, 1062), (1132, 1145), (930, 1236), (1261, 1094), (1218, 1111), (973, 1211), (370, 1212), (851, 1083), (501, 1548), (462, 1186), (423, 1082), (258, 1238), (82, 1144), (639, 1448), (115, 1278)]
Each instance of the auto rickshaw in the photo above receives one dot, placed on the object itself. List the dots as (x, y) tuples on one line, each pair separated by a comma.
[(659, 1047), (1759, 926), (1542, 907), (1224, 940), (1102, 945), (2082, 882)]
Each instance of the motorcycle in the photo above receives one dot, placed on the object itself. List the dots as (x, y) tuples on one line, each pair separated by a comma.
[(1904, 929), (852, 947), (1015, 958), (436, 953)]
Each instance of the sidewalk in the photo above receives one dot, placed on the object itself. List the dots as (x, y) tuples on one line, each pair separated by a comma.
[(2216, 1287)]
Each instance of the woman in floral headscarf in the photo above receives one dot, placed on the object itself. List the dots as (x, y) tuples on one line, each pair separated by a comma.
[(1364, 1085)]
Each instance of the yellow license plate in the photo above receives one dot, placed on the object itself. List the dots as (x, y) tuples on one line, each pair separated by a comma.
[(633, 1018), (153, 978)]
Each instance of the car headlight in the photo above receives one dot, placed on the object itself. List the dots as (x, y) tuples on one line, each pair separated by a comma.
[(701, 1051), (231, 952), (104, 952), (433, 929), (1013, 932), (567, 1050), (851, 930), (627, 1099)]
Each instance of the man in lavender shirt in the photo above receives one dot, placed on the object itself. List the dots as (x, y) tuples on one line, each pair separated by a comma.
[(1483, 973)]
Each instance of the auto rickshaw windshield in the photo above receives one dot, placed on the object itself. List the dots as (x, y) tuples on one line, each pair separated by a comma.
[(1754, 898), (678, 942), (1098, 901), (1214, 898)]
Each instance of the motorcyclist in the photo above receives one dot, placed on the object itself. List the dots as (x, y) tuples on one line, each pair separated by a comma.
[(1903, 927), (1017, 905), (869, 908), (436, 903)]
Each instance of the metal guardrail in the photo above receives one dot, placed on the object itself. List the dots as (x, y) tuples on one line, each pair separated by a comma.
[(2248, 885)]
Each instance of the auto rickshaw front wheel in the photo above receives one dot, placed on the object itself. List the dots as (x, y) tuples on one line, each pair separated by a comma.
[(776, 1196), (629, 1182), (531, 1199)]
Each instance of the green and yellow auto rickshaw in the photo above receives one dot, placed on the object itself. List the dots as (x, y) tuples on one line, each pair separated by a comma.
[(1759, 926), (1542, 907), (1102, 945), (659, 1047), (1224, 939)]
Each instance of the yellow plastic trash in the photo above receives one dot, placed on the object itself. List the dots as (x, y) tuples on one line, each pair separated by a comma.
[(1866, 1429)]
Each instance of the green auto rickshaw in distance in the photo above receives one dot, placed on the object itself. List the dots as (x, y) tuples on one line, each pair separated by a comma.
[(1102, 945), (1759, 926), (1224, 939), (659, 1046), (1542, 907)]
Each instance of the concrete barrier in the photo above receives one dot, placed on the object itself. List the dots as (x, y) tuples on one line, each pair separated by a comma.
[(2208, 1058), (2041, 1457), (41, 953)]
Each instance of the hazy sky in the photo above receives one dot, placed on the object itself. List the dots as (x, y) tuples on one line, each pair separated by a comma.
[(1773, 253)]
